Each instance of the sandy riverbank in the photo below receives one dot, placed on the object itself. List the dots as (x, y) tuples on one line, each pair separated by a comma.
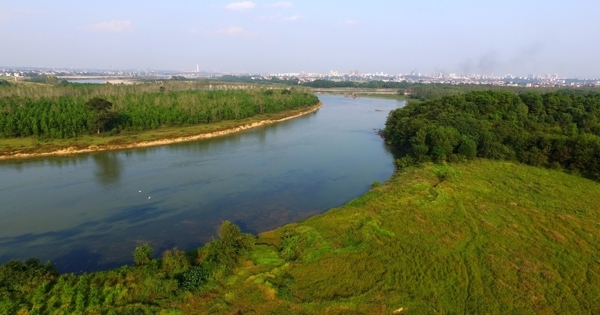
[(218, 133)]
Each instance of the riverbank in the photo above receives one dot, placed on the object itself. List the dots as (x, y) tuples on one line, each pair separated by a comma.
[(483, 237), (479, 237), (18, 148)]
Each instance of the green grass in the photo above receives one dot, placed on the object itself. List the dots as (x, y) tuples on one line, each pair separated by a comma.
[(481, 237)]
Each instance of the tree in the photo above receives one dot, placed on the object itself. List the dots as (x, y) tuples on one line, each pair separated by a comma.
[(101, 113), (142, 254), (226, 250)]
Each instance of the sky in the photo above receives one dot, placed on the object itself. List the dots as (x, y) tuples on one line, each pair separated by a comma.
[(392, 36)]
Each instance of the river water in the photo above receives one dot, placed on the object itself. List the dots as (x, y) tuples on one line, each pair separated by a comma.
[(88, 212)]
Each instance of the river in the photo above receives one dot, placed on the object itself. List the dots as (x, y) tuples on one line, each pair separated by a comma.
[(88, 212)]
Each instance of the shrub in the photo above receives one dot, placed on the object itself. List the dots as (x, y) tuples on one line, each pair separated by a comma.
[(175, 262), (375, 183), (142, 254), (194, 278)]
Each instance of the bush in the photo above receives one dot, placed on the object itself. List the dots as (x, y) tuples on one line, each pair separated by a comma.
[(226, 251), (142, 254), (375, 183), (175, 262), (194, 278), (467, 148), (18, 277), (404, 161)]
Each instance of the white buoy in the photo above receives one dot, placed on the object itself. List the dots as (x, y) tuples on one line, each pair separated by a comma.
[(149, 197), (140, 191)]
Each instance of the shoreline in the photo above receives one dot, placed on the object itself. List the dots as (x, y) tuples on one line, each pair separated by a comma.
[(95, 148)]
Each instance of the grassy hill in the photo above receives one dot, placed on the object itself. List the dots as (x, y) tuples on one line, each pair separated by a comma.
[(480, 237)]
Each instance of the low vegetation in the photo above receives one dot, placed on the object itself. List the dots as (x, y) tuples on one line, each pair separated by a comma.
[(478, 237), (30, 287)]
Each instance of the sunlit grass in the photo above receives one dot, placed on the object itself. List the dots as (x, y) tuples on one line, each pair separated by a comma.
[(484, 237), (481, 237)]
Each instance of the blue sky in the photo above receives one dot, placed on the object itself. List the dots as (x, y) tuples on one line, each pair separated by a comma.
[(461, 36)]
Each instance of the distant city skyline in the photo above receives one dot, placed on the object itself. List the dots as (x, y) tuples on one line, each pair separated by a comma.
[(426, 36)]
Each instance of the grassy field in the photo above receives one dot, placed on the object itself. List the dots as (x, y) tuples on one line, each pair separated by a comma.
[(11, 146), (484, 237)]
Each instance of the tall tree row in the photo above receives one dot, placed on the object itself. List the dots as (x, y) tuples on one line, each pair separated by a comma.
[(86, 112)]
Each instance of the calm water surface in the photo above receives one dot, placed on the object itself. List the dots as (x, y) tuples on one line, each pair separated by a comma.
[(86, 212)]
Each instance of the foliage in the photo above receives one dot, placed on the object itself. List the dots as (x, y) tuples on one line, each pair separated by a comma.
[(4, 83), (560, 129), (231, 245), (101, 114), (175, 262), (149, 287), (142, 255), (425, 91), (375, 184), (63, 111), (194, 278)]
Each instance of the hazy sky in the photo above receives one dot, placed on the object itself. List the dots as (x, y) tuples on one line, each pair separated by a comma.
[(485, 36)]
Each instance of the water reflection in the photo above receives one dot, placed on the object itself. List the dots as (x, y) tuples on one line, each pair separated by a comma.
[(108, 167)]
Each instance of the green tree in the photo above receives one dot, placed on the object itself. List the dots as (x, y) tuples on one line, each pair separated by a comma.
[(467, 147), (101, 113)]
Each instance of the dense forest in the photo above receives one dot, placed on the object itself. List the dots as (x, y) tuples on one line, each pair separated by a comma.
[(557, 130), (67, 110)]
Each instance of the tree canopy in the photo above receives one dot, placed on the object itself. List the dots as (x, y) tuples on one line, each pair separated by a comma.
[(101, 114), (558, 129)]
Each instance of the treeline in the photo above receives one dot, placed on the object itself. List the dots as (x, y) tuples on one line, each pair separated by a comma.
[(30, 287), (423, 91), (61, 112), (352, 84), (557, 130), (89, 90)]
